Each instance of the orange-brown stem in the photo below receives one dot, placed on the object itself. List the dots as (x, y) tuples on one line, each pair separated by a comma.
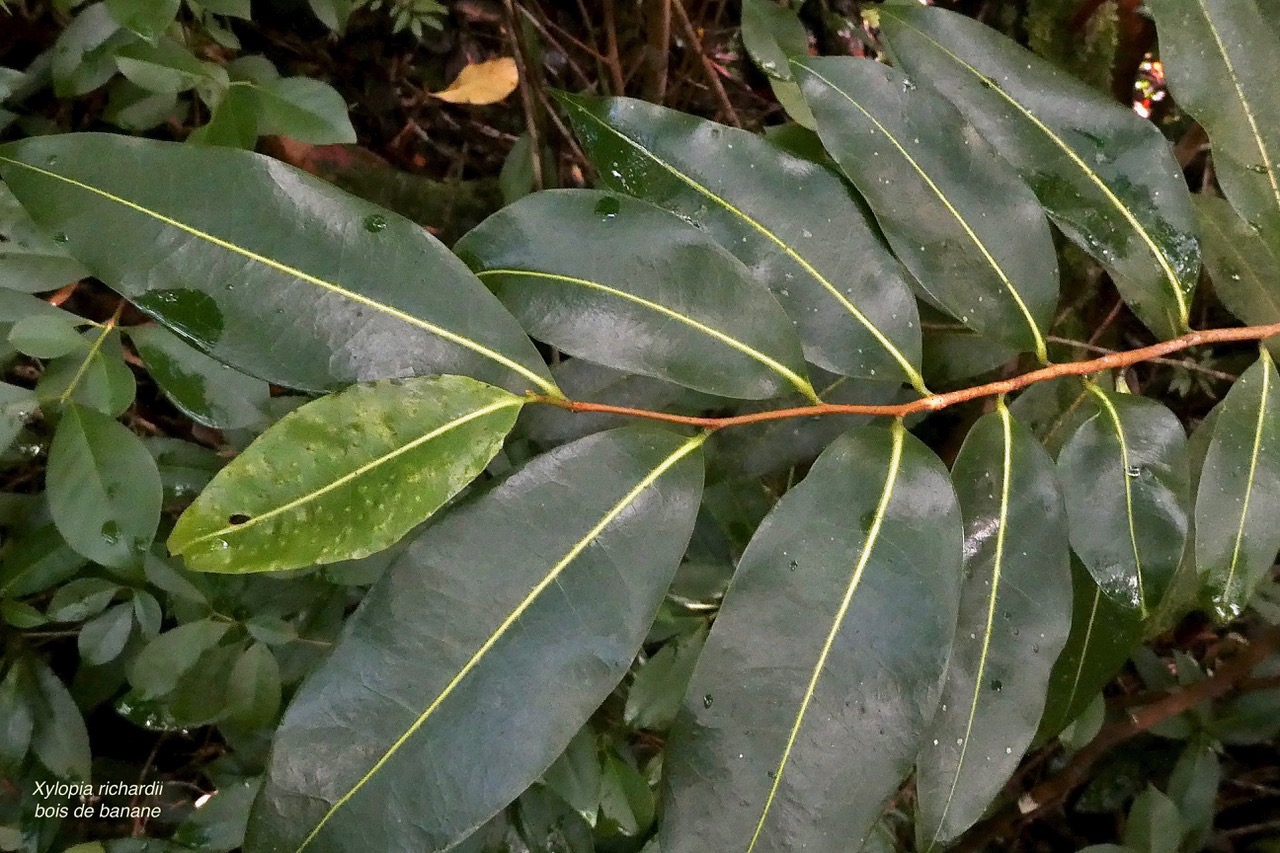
[(937, 402)]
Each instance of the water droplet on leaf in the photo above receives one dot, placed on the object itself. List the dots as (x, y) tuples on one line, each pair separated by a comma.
[(375, 222)]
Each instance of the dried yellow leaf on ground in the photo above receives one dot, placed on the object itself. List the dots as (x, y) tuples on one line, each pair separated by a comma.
[(483, 82)]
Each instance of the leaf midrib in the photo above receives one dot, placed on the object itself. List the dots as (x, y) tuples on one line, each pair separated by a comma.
[(1114, 416), (1253, 468)]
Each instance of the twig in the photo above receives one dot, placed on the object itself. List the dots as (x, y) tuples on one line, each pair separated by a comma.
[(659, 49), (612, 62), (712, 77), (528, 102), (936, 402), (1185, 364)]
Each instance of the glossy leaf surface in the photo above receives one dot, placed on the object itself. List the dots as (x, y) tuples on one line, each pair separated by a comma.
[(823, 668), (1124, 477), (531, 601), (1106, 176), (104, 490), (628, 285), (1238, 500), (791, 221), (298, 283), (1243, 266), (966, 227), (1015, 615), (345, 476), (1221, 59), (207, 391)]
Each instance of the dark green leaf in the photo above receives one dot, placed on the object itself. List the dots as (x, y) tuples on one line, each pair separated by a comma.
[(575, 775), (103, 487), (297, 283), (1106, 177), (17, 718), (253, 691), (625, 284), (532, 598), (147, 18), (1239, 495), (1243, 267), (1124, 474), (659, 685), (962, 222), (1193, 786), (234, 123), (166, 67), (1221, 59), (792, 222), (30, 261), (37, 560), (1153, 825), (1015, 615), (103, 638), (45, 336), (94, 375), (16, 405), (81, 598), (818, 681), (156, 669), (59, 739), (218, 825), (304, 109), (205, 390), (771, 36), (345, 476)]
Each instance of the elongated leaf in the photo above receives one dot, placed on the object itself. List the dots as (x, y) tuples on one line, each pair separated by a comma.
[(1125, 479), (1239, 496), (824, 667), (345, 476), (205, 390), (965, 226), (1245, 270), (296, 282), (772, 34), (791, 221), (1222, 58), (103, 487), (529, 602), (16, 405), (30, 261), (625, 284), (1015, 615), (1103, 635), (1106, 177)]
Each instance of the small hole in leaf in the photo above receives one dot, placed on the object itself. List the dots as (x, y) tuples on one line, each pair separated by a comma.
[(238, 518)]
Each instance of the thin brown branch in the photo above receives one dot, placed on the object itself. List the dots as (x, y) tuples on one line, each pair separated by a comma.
[(937, 402), (529, 78), (695, 43), (1185, 364), (612, 60), (658, 50)]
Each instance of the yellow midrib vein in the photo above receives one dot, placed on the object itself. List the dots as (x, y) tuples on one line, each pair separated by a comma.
[(1084, 647), (913, 375), (873, 534), (1040, 349), (231, 530), (1161, 258), (546, 385), (1268, 163), (681, 452), (1253, 468), (801, 384), (996, 571), (1128, 491)]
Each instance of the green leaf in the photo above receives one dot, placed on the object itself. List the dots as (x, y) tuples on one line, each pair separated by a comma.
[(793, 223), (1154, 825), (1239, 495), (772, 34), (1193, 786), (156, 669), (1221, 59), (532, 598), (1103, 635), (30, 261), (1106, 177), (147, 18), (625, 284), (297, 283), (1243, 266), (59, 740), (94, 376), (304, 109), (659, 685), (17, 718), (83, 57), (44, 336), (575, 775), (16, 405), (234, 123), (253, 691), (1124, 474), (962, 222), (134, 108), (166, 67), (824, 666), (1015, 616), (81, 599), (35, 561), (103, 638), (345, 476), (218, 825), (205, 390), (103, 488), (332, 13)]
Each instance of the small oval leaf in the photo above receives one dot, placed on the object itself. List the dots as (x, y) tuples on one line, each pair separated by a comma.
[(626, 284), (346, 475), (531, 602), (823, 669)]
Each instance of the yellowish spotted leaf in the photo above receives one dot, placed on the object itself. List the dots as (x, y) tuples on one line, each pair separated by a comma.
[(483, 82)]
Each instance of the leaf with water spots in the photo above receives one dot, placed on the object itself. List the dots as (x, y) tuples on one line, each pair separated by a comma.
[(823, 669), (518, 612), (346, 475), (266, 268), (1015, 615), (794, 223), (1244, 268), (1105, 176), (623, 283), (1221, 59), (1124, 474), (1238, 500), (961, 220)]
